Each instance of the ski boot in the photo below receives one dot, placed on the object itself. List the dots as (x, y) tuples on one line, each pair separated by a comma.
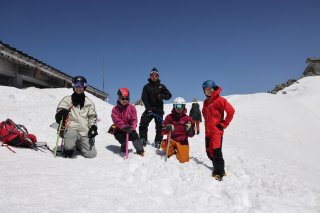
[(218, 177), (157, 144), (141, 153), (123, 148), (68, 153)]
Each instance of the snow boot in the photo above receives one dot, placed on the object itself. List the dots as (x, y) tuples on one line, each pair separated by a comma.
[(157, 144), (141, 153), (123, 148), (68, 153), (218, 177)]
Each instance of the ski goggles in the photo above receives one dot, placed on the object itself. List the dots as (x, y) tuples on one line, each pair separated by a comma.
[(179, 106), (79, 84)]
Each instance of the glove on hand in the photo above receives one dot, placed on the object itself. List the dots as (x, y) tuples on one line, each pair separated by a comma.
[(128, 129), (187, 126), (169, 127), (112, 129), (62, 115), (93, 131), (219, 126)]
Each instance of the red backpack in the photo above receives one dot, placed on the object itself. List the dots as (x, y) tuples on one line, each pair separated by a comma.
[(16, 135)]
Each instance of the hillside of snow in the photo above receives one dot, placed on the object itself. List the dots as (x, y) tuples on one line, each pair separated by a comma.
[(271, 150)]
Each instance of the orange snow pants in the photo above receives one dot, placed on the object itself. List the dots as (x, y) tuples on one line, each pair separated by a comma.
[(180, 150)]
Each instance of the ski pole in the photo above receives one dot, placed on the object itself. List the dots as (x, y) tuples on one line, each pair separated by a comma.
[(127, 144), (62, 141), (58, 136), (168, 144), (8, 147), (62, 146)]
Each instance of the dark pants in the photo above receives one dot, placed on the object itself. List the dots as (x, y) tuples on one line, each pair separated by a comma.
[(133, 136), (144, 123), (214, 153)]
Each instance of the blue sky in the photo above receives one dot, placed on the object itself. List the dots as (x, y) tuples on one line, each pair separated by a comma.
[(244, 46)]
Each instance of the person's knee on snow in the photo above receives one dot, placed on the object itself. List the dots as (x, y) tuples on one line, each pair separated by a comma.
[(80, 118)]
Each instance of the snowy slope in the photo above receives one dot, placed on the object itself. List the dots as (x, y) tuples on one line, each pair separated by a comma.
[(271, 153)]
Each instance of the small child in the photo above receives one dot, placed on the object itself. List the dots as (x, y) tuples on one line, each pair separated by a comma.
[(215, 122), (196, 116), (181, 127), (124, 117)]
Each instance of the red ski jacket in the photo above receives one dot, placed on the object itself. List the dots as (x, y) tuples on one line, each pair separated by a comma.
[(213, 113), (179, 121)]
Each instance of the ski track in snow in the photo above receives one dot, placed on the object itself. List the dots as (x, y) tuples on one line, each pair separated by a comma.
[(259, 177)]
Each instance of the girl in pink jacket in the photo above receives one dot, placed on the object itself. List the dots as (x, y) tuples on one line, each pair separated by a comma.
[(124, 116)]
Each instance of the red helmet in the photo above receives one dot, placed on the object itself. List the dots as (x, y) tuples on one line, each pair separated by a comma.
[(123, 92)]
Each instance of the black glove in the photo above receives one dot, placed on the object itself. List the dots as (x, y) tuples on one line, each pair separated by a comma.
[(93, 131), (112, 129), (169, 127), (128, 129), (91, 143), (219, 126), (62, 115)]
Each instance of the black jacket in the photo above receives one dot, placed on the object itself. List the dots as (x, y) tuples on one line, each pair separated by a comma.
[(195, 112), (153, 95)]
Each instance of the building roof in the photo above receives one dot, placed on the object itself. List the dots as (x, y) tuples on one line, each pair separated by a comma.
[(315, 59), (23, 58)]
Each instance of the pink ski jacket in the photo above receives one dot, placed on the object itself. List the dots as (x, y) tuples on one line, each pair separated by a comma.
[(123, 116)]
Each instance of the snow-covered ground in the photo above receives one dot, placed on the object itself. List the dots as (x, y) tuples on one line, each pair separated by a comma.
[(271, 151)]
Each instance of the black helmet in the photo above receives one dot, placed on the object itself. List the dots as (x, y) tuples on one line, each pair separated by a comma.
[(79, 81)]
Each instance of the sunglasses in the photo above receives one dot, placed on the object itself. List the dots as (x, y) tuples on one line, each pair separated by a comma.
[(178, 106), (124, 98)]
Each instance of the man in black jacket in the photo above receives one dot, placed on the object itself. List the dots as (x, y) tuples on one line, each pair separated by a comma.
[(152, 97)]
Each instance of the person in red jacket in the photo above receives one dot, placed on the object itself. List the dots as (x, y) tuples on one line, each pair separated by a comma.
[(213, 111), (124, 117), (181, 127)]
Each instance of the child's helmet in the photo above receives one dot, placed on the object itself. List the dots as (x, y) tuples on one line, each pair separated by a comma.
[(123, 92), (179, 103)]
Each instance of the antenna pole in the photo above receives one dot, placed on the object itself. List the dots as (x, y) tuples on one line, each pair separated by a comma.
[(103, 76)]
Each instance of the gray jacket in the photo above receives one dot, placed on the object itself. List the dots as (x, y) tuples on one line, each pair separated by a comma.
[(79, 119)]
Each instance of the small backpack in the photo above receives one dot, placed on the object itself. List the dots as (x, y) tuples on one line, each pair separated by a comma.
[(16, 135)]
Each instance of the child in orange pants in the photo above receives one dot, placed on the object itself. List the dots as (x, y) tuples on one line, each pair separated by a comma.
[(181, 127)]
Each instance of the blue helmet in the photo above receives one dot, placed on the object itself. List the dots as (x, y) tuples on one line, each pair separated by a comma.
[(208, 83)]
